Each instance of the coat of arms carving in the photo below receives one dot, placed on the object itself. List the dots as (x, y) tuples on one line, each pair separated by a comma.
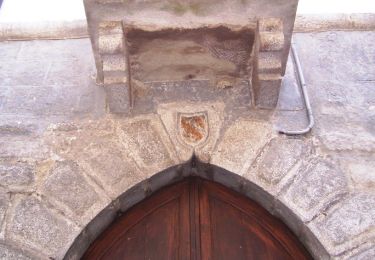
[(193, 127)]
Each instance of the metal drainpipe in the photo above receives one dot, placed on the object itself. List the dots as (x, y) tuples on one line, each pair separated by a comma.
[(302, 84)]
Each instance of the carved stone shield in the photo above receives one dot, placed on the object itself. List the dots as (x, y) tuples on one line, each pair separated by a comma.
[(193, 127)]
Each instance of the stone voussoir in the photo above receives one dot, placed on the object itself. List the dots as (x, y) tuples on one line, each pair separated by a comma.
[(66, 184), (210, 113), (272, 169), (108, 163), (318, 183), (240, 145), (148, 143), (347, 225)]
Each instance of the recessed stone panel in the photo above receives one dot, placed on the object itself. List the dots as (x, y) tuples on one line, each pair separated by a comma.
[(109, 163), (67, 185), (147, 143), (37, 226), (348, 224), (318, 182), (240, 145), (276, 160)]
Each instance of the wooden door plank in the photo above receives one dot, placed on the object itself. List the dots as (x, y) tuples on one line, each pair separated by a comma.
[(164, 207), (261, 227)]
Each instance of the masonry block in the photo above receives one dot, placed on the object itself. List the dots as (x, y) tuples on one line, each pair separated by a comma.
[(113, 63), (271, 41)]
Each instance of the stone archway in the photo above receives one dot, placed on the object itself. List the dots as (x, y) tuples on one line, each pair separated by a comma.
[(98, 168)]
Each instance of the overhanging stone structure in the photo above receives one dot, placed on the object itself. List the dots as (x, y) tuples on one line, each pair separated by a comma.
[(223, 42)]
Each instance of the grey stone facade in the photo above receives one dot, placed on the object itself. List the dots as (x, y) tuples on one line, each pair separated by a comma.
[(67, 166)]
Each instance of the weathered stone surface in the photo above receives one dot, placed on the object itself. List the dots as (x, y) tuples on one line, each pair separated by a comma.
[(9, 253), (16, 174), (16, 129), (115, 77), (269, 62), (267, 93), (348, 224), (37, 226), (361, 172), (33, 88), (66, 184), (363, 252), (290, 97), (118, 98), (111, 43), (240, 144), (113, 62), (318, 183), (108, 162), (32, 148), (146, 141), (271, 41), (349, 138), (276, 160), (211, 113), (4, 203), (270, 25)]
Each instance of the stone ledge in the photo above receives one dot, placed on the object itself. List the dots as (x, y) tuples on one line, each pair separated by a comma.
[(78, 28)]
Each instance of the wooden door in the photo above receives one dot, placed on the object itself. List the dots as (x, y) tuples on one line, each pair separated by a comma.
[(197, 219)]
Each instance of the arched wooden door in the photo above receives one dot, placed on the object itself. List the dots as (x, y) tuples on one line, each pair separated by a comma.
[(197, 219)]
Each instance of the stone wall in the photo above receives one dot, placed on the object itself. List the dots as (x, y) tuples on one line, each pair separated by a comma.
[(67, 168)]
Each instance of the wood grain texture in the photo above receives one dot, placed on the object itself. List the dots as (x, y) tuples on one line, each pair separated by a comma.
[(197, 219)]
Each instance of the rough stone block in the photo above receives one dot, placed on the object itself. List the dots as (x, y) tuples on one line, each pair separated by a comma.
[(16, 175), (8, 253), (67, 185), (276, 160), (108, 163), (110, 27), (36, 225), (240, 145), (118, 98), (318, 183), (113, 62), (4, 202), (361, 172), (115, 77), (348, 223), (267, 92), (363, 252), (148, 143), (111, 43), (271, 41), (269, 62), (270, 25)]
